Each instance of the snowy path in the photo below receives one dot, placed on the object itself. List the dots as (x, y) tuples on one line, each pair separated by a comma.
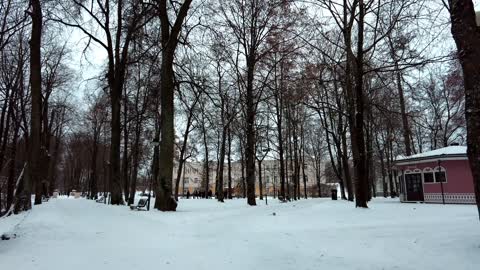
[(202, 234)]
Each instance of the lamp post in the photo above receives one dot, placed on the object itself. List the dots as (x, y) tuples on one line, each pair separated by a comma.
[(275, 168), (441, 180), (266, 150), (266, 190), (274, 186), (266, 184)]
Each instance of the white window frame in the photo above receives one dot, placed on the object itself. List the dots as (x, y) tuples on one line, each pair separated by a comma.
[(428, 170), (442, 169), (413, 172)]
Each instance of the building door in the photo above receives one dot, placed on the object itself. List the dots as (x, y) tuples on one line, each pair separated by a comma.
[(414, 185)]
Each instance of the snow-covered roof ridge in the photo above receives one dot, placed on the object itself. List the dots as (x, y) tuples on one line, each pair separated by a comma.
[(447, 151)]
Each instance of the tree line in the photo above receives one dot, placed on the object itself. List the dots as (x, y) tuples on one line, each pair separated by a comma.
[(352, 84)]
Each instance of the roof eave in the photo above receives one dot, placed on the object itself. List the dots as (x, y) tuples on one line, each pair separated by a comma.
[(430, 158)]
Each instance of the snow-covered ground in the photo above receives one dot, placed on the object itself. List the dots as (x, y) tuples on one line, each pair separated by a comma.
[(77, 234)]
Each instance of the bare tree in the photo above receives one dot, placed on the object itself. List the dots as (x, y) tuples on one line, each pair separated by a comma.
[(34, 144), (169, 41), (251, 23), (465, 31), (115, 37)]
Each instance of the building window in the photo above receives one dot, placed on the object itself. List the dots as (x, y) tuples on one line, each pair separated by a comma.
[(440, 174), (428, 177), (440, 177)]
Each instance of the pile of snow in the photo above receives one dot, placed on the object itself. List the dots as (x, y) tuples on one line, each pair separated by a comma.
[(204, 234), (8, 225), (450, 150)]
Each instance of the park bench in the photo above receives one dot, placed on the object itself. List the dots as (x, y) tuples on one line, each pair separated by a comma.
[(141, 206)]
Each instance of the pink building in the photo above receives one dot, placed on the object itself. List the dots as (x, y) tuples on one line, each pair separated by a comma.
[(437, 176)]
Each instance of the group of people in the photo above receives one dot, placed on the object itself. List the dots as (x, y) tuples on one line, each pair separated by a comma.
[(199, 194)]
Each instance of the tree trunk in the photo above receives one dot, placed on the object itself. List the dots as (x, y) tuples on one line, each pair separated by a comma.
[(381, 156), (296, 162), (242, 164), (229, 163), (53, 164), (466, 32), (221, 158), (370, 174), (250, 130), (357, 136), (278, 109), (260, 180), (206, 168), (164, 200), (115, 176), (302, 147), (34, 169), (135, 160), (221, 163), (4, 133), (403, 113), (93, 166), (156, 153), (346, 169), (181, 160), (318, 176), (393, 192), (169, 40), (125, 159), (12, 167)]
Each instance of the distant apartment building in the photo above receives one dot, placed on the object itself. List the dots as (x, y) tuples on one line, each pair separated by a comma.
[(193, 178), (380, 183)]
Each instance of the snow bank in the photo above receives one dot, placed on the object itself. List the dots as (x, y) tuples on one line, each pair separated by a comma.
[(8, 225)]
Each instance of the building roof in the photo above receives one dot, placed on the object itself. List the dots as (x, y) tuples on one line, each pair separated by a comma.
[(441, 153)]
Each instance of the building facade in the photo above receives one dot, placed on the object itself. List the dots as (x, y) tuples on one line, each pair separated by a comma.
[(438, 176), (193, 178)]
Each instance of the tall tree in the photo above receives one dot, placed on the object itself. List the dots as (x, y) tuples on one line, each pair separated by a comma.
[(251, 24), (466, 32), (36, 94), (118, 22), (169, 41)]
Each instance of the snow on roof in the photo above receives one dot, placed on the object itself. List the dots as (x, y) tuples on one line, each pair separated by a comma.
[(450, 150)]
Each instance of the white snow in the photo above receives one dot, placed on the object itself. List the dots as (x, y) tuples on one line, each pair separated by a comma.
[(9, 225), (449, 150), (77, 234)]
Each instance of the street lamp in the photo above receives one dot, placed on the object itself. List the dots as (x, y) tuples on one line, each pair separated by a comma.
[(441, 180), (275, 170), (266, 150), (266, 190)]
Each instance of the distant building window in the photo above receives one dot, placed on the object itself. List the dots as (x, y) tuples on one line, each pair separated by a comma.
[(440, 177), (428, 177)]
